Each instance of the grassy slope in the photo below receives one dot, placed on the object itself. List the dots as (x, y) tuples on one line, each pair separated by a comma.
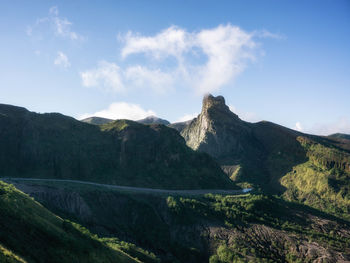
[(323, 181), (31, 233), (122, 152), (182, 229), (7, 256)]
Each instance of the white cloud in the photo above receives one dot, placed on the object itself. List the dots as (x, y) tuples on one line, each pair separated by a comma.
[(298, 126), (228, 48), (172, 41), (206, 60), (106, 75), (60, 25), (154, 79), (121, 110), (342, 125), (187, 117), (244, 115), (62, 60)]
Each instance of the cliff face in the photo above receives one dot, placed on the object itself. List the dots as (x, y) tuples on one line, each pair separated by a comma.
[(219, 132), (271, 157)]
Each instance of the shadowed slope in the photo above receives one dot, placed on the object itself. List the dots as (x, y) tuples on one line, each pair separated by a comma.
[(37, 235), (121, 152)]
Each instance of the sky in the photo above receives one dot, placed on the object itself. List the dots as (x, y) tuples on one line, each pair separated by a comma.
[(283, 61)]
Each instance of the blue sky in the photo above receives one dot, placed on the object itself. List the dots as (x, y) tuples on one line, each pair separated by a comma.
[(282, 61)]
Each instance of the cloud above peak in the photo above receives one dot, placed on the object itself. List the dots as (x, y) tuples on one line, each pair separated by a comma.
[(204, 60)]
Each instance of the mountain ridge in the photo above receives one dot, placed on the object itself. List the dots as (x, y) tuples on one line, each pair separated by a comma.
[(124, 152)]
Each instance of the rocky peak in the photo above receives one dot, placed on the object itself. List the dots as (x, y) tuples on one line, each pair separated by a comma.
[(216, 130), (210, 101), (215, 108)]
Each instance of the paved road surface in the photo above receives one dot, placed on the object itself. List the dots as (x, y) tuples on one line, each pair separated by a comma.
[(135, 189)]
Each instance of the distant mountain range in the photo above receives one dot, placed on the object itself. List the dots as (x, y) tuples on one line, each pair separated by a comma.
[(147, 120)]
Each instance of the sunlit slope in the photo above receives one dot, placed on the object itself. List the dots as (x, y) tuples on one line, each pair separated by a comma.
[(31, 233)]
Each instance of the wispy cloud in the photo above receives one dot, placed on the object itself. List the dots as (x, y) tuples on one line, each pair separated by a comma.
[(205, 61), (62, 60), (157, 80), (60, 26), (121, 110), (107, 76)]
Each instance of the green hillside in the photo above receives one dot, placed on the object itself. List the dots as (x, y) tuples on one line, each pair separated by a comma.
[(121, 152), (96, 120), (31, 233), (243, 228)]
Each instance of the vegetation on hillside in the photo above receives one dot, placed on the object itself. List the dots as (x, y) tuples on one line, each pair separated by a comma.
[(250, 227), (323, 181), (121, 152), (31, 233)]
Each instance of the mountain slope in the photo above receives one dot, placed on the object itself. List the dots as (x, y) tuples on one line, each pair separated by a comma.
[(153, 120), (340, 136), (37, 235), (121, 152), (273, 158), (97, 120)]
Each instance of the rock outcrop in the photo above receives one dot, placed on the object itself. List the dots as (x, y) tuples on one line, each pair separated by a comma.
[(219, 132)]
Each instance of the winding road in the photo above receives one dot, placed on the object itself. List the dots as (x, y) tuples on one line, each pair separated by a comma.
[(135, 189)]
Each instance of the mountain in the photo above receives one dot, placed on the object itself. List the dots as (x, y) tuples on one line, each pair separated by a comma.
[(179, 126), (153, 120), (97, 120), (340, 136), (31, 233), (272, 158), (122, 152)]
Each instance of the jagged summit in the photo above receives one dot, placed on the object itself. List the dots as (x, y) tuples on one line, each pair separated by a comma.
[(217, 109), (217, 130), (209, 101)]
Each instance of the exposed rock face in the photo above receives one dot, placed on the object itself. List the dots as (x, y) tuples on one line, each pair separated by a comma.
[(259, 153), (219, 132)]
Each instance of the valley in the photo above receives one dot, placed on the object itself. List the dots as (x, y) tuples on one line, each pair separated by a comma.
[(173, 192)]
